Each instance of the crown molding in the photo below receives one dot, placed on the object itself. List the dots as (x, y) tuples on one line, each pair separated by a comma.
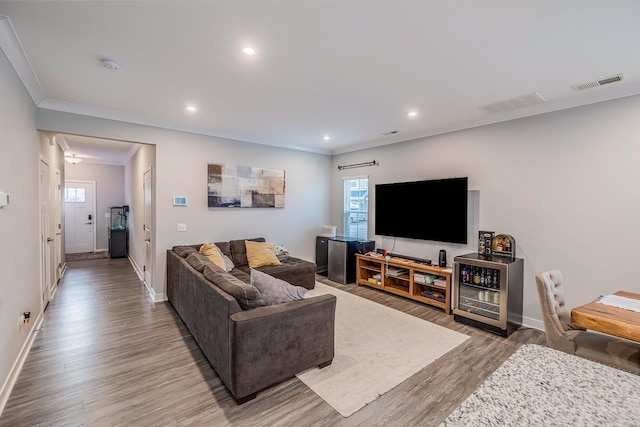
[(12, 48)]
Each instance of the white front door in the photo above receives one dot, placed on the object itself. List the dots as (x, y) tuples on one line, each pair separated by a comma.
[(148, 226), (45, 235), (79, 216)]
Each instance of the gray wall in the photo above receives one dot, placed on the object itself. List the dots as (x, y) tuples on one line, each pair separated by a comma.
[(109, 181), (564, 184), (19, 221), (181, 166)]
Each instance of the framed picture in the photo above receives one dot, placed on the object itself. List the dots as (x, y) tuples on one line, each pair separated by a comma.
[(230, 186)]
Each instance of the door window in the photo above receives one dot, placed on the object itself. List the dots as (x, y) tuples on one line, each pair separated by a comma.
[(74, 195)]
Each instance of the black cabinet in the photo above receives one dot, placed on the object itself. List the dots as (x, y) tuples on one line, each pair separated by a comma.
[(118, 232), (322, 255)]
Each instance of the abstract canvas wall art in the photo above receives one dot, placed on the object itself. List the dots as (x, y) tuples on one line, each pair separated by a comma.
[(231, 186)]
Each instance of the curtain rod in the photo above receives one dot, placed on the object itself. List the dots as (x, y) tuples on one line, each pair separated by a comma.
[(358, 165)]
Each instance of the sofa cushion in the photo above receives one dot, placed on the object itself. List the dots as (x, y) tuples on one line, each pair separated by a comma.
[(198, 261), (183, 251), (212, 252), (295, 271), (239, 251), (261, 253), (276, 291), (247, 295)]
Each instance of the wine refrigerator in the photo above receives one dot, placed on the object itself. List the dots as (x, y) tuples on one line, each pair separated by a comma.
[(488, 292)]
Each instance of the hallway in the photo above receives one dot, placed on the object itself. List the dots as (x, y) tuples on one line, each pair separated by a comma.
[(107, 355)]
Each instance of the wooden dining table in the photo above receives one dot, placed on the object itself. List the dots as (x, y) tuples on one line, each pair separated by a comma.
[(607, 319)]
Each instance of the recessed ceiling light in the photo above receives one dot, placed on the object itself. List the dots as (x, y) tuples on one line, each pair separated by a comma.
[(192, 108), (412, 113), (249, 51), (326, 137)]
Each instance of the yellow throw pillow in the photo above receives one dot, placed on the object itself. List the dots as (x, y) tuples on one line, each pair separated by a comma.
[(212, 252), (261, 253)]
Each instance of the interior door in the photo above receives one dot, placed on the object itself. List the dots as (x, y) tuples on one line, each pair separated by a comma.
[(57, 224), (148, 226), (45, 233), (79, 216)]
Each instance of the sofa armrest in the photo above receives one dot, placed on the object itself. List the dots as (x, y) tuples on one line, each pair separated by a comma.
[(273, 343)]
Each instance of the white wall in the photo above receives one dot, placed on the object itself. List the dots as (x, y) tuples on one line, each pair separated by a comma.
[(109, 181), (19, 224), (181, 165), (566, 185)]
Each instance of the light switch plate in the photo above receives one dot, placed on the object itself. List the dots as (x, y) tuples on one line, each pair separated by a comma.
[(4, 199)]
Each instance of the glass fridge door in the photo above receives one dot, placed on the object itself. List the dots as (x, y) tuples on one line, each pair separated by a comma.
[(481, 291)]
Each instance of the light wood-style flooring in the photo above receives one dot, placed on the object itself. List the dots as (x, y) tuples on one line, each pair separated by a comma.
[(106, 355)]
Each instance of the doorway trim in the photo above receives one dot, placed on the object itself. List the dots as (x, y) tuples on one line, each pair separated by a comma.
[(95, 206), (45, 253), (148, 234)]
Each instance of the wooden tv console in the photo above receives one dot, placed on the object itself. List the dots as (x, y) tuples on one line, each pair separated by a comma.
[(401, 276)]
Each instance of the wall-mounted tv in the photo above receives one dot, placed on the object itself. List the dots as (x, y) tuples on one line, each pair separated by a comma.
[(426, 210)]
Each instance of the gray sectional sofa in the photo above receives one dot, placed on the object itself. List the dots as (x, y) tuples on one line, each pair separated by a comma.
[(252, 348)]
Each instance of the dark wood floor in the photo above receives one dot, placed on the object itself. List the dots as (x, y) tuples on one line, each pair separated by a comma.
[(106, 355)]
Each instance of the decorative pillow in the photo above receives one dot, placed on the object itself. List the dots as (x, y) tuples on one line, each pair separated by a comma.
[(248, 296), (212, 252), (261, 253), (281, 250), (198, 261), (276, 291), (228, 263), (183, 251)]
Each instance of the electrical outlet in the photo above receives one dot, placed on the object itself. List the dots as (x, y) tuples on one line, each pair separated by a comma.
[(182, 227)]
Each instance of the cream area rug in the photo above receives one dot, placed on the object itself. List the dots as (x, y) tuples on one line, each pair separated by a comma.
[(540, 386), (376, 348)]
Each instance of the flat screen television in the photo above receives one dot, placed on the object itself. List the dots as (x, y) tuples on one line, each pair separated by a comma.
[(426, 210)]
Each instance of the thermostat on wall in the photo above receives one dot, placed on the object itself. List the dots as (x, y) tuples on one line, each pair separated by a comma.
[(179, 201)]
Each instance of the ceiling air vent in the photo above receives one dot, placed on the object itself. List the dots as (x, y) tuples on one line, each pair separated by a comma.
[(516, 103), (596, 83)]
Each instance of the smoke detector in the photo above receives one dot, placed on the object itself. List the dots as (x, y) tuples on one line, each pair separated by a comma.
[(110, 64)]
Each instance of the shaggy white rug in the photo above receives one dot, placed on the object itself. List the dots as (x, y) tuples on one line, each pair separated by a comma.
[(539, 386), (376, 348)]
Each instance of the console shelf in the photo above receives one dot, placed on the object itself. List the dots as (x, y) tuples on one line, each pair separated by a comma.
[(401, 276)]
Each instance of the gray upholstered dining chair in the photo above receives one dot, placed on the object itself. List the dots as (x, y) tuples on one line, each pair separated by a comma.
[(561, 335)]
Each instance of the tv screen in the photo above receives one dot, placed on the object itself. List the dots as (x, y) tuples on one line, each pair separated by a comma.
[(426, 210)]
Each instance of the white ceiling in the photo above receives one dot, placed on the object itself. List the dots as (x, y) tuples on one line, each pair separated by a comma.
[(350, 69)]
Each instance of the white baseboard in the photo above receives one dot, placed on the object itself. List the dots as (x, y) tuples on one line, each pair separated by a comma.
[(7, 387), (102, 250), (152, 293), (533, 323), (136, 268)]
